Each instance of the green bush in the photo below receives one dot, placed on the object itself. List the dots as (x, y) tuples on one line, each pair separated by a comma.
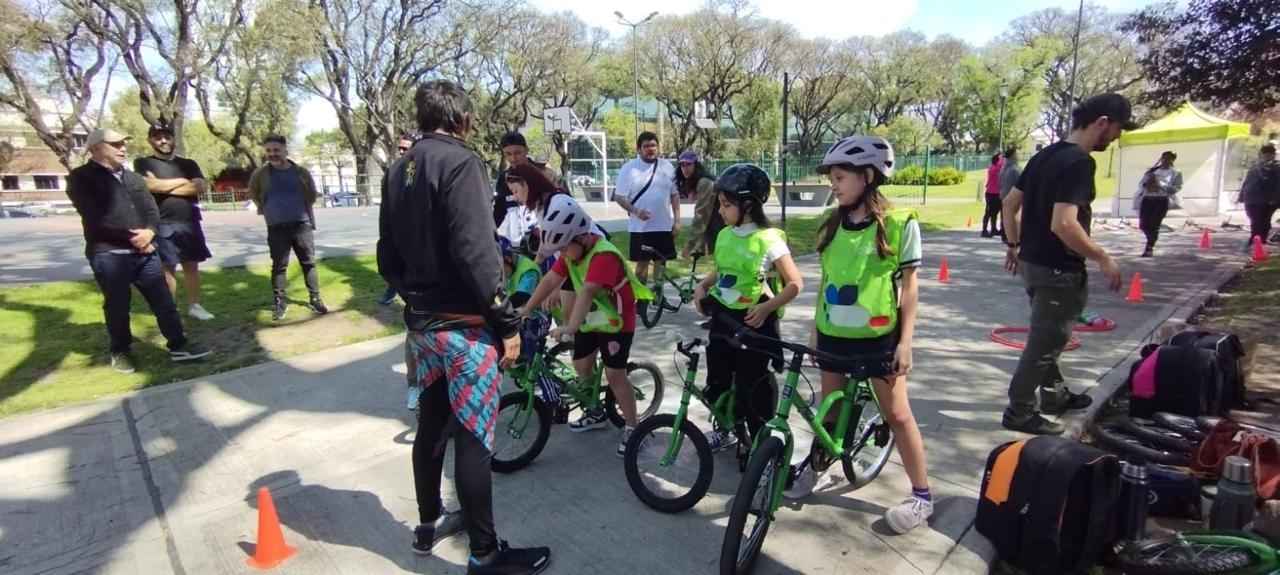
[(945, 177), (908, 176)]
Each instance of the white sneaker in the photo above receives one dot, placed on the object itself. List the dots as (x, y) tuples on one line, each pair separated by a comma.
[(911, 513), (197, 311), (719, 441), (622, 444), (589, 421)]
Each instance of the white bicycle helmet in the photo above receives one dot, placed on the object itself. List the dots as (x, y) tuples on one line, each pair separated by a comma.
[(871, 151), (563, 220)]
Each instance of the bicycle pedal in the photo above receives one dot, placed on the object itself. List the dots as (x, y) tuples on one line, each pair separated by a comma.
[(882, 435)]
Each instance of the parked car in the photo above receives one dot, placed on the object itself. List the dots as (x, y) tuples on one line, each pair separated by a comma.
[(583, 180)]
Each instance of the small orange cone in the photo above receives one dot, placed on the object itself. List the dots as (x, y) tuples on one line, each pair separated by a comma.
[(1259, 251), (944, 271), (1204, 240), (1135, 288), (271, 548), (969, 224)]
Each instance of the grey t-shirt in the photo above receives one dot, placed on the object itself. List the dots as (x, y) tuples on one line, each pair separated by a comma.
[(283, 204)]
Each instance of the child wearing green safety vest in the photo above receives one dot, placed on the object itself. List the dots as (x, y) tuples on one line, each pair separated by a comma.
[(604, 314), (867, 303), (750, 254)]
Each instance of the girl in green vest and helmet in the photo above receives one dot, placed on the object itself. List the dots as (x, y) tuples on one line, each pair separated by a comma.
[(750, 255), (603, 318), (867, 304)]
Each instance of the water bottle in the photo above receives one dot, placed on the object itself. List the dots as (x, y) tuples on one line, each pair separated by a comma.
[(1133, 498), (1237, 497)]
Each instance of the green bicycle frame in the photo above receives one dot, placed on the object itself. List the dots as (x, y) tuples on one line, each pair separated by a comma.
[(721, 410)]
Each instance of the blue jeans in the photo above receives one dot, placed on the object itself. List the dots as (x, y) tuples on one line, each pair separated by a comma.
[(115, 274)]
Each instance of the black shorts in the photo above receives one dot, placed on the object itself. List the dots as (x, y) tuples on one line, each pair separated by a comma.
[(181, 242), (882, 347), (661, 242), (615, 348)]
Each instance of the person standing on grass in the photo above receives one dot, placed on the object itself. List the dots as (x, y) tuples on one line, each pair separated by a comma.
[(1157, 192), (693, 181), (176, 183), (120, 221), (1047, 218), (436, 248), (402, 148), (285, 193), (1260, 194), (646, 190), (992, 214)]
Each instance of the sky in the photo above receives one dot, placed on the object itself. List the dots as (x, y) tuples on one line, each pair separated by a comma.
[(975, 21)]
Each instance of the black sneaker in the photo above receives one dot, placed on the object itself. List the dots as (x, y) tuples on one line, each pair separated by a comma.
[(188, 352), (507, 560), (1072, 402), (425, 536), (986, 234), (317, 305), (278, 311), (122, 363), (1034, 425)]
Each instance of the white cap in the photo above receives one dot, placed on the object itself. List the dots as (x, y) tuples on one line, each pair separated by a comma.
[(101, 135)]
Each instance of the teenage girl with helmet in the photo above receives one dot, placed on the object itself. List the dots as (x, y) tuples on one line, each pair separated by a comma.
[(867, 303), (750, 255), (603, 319)]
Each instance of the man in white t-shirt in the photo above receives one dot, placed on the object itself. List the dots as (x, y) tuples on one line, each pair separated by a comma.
[(646, 190)]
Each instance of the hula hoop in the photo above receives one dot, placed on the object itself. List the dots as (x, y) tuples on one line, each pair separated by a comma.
[(997, 335)]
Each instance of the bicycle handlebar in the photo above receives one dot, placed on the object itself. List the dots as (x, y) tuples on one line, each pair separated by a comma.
[(688, 349), (743, 336)]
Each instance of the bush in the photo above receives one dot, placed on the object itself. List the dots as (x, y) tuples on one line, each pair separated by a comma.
[(945, 177), (908, 176)]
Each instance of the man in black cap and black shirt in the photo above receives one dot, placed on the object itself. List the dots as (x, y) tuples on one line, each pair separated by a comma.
[(177, 183), (1047, 219)]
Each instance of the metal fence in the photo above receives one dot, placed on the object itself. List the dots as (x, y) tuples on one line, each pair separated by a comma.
[(799, 168)]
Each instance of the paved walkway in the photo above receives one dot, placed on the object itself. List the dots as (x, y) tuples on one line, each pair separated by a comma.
[(161, 481)]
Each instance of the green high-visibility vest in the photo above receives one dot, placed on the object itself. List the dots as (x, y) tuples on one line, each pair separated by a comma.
[(523, 266), (858, 298), (604, 316), (738, 262)]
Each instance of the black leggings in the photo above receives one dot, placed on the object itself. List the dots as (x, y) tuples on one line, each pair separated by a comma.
[(992, 214), (1260, 220), (1151, 215), (726, 363), (471, 475)]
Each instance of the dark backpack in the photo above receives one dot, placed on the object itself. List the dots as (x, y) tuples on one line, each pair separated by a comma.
[(1230, 358), (1049, 504), (1187, 382)]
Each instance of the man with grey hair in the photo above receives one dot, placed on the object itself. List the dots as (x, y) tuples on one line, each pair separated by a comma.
[(120, 219)]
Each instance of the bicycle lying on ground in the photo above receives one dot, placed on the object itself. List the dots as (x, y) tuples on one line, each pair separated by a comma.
[(1199, 553), (652, 312)]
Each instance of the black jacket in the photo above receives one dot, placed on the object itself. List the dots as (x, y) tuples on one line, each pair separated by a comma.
[(109, 208), (436, 240)]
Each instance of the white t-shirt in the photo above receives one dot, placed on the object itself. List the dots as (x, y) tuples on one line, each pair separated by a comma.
[(657, 200), (776, 250)]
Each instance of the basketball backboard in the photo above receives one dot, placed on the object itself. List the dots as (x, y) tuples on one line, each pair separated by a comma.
[(557, 120)]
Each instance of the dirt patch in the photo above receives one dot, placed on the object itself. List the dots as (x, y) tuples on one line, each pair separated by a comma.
[(310, 332)]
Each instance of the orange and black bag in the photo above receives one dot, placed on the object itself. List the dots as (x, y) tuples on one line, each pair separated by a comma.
[(1049, 504)]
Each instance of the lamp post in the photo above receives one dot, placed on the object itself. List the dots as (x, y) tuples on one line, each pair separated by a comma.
[(635, 61), (786, 95), (1004, 96)]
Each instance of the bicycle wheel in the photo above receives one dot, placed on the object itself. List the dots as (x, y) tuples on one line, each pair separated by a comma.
[(1157, 436), (870, 440), (646, 381), (1174, 555), (519, 434), (753, 499), (683, 482), (1185, 426), (1122, 443), (651, 312)]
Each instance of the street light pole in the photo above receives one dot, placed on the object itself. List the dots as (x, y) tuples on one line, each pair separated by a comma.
[(1004, 96), (635, 61), (786, 93)]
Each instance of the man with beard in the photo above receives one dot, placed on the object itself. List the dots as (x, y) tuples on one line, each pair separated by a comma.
[(1047, 217), (176, 183)]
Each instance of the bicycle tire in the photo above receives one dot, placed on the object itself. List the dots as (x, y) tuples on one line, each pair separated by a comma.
[(1181, 424), (651, 312), (855, 433), (521, 460), (1157, 436), (1122, 443), (706, 467), (765, 464), (653, 399), (1208, 422), (1173, 555)]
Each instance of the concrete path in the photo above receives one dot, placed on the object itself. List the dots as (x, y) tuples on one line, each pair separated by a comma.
[(162, 481)]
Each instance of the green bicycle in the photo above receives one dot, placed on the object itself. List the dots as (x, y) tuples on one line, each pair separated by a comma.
[(659, 461), (862, 440), (548, 388), (652, 312)]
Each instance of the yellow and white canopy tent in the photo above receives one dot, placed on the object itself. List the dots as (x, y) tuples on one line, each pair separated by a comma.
[(1203, 144)]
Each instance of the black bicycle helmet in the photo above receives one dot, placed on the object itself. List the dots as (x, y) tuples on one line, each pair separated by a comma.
[(745, 181)]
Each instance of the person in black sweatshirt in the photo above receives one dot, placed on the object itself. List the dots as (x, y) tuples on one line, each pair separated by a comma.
[(120, 220), (437, 249)]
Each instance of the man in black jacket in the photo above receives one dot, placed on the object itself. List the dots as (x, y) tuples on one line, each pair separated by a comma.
[(437, 249), (120, 220)]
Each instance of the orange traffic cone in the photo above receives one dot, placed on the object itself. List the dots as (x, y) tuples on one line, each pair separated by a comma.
[(1204, 240), (271, 548), (1135, 288), (1259, 251), (969, 224), (944, 271)]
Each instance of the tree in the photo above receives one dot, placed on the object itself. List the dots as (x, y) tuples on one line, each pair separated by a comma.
[(757, 117), (895, 70), (330, 147), (49, 63), (1219, 51), (819, 79), (910, 135), (209, 152)]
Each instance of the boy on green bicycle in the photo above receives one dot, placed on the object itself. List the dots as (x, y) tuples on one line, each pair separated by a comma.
[(603, 319), (749, 252), (867, 305)]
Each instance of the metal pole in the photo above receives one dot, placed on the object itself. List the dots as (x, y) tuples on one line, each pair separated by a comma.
[(635, 72), (786, 90), (1075, 59), (1000, 147), (924, 195)]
